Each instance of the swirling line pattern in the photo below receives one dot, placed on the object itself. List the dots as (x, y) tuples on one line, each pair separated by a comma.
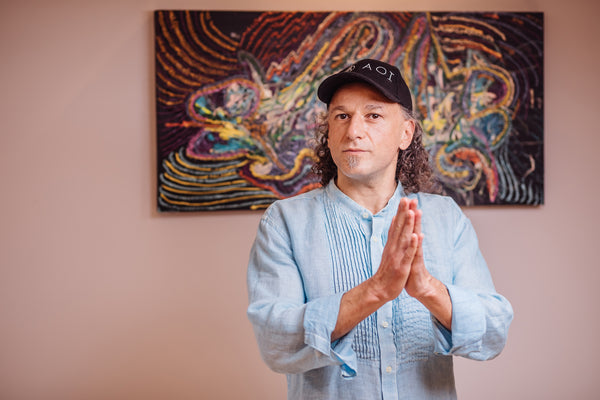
[(237, 106)]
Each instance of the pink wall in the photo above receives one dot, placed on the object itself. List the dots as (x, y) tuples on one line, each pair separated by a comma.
[(103, 298)]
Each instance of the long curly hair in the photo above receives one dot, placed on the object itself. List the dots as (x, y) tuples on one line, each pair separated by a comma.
[(413, 168)]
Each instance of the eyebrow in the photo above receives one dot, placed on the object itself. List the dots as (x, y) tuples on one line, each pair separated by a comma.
[(373, 106)]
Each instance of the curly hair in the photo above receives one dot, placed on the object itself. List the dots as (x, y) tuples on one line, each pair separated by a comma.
[(413, 168)]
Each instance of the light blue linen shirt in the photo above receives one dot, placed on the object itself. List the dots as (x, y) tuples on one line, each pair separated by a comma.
[(312, 248)]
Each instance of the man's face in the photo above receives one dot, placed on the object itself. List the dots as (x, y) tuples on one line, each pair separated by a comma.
[(366, 130)]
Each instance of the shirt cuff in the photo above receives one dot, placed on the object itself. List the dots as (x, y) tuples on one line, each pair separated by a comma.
[(320, 319), (468, 324)]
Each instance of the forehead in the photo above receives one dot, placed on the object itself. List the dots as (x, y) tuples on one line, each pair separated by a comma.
[(357, 92)]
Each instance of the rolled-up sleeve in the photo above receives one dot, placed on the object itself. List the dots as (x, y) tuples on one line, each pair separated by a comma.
[(293, 333), (480, 316)]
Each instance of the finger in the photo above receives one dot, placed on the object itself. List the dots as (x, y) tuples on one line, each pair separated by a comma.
[(418, 261), (405, 227), (406, 257), (403, 206), (419, 253), (419, 232), (412, 217), (409, 225), (410, 213), (411, 250), (418, 217), (397, 228), (413, 204)]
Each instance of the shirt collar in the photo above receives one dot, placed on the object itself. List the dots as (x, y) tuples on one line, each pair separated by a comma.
[(352, 207)]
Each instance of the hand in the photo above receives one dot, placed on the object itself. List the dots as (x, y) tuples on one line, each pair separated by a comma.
[(420, 283), (399, 252)]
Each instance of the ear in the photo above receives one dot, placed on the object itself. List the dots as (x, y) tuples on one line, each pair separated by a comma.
[(407, 130)]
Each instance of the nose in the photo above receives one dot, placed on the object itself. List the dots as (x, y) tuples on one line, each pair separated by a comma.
[(356, 129)]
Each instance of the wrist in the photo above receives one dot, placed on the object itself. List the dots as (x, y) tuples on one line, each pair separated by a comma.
[(375, 291), (430, 290), (436, 299)]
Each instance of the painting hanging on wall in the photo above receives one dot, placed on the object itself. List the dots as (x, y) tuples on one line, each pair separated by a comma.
[(237, 108)]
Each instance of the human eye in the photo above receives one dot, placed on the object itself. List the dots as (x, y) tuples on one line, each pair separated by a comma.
[(374, 116), (341, 116)]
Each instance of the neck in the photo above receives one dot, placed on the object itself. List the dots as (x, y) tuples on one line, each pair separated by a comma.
[(374, 197)]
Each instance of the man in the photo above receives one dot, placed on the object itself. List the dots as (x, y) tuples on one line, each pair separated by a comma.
[(366, 288)]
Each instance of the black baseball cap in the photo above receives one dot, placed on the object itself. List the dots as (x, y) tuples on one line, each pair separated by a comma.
[(384, 77)]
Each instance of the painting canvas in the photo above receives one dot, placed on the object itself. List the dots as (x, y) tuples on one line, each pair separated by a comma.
[(236, 100)]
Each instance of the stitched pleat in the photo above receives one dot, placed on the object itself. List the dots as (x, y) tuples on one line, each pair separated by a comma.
[(351, 260)]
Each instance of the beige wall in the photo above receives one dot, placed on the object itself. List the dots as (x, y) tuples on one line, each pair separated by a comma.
[(103, 298)]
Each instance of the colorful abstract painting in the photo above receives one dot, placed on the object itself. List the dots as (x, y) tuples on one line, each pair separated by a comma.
[(237, 105)]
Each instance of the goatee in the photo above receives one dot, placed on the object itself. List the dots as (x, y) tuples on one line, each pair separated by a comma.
[(352, 161)]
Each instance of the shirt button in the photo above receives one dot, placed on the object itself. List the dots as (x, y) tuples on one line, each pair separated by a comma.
[(388, 370), (385, 324), (365, 215), (375, 239)]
